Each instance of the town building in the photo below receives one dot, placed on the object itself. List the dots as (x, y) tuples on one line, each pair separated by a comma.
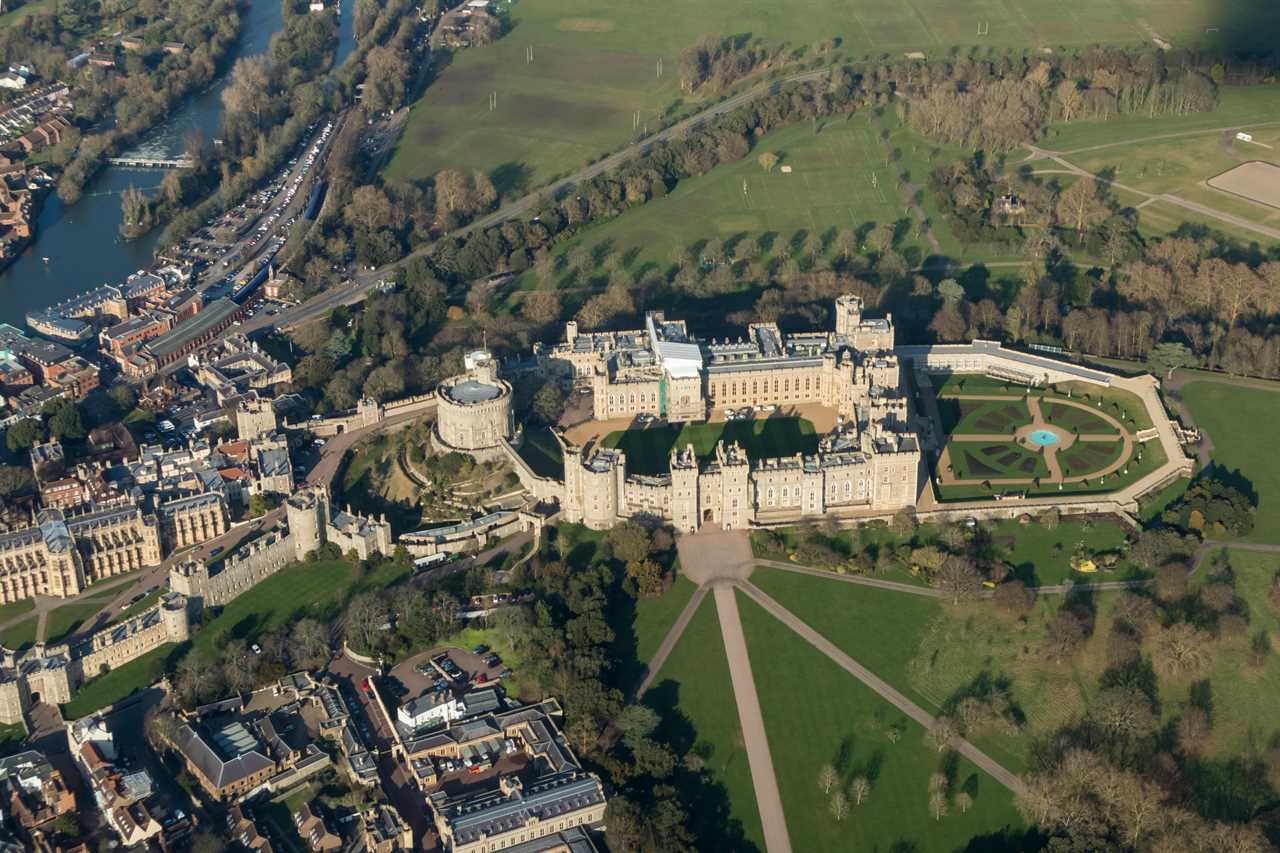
[(314, 830), (32, 790), (130, 802), (233, 754), (383, 830), (503, 776)]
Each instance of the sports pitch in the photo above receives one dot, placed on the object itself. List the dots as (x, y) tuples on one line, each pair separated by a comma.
[(599, 71)]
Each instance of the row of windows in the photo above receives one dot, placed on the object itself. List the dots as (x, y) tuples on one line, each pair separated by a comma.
[(536, 832), (762, 386)]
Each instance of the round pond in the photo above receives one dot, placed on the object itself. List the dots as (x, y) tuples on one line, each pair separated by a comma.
[(1042, 437)]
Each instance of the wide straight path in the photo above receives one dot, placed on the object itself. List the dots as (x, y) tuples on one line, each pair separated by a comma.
[(867, 677), (763, 779)]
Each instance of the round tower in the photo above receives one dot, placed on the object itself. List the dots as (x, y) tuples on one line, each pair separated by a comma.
[(307, 512), (174, 614)]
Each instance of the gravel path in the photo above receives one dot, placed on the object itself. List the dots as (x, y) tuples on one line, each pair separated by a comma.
[(881, 687), (654, 666), (763, 779)]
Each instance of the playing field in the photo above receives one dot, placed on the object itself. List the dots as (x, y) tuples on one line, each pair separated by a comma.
[(1256, 181), (649, 450), (594, 79)]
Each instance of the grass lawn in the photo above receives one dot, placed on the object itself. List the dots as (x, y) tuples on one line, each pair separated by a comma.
[(1244, 697), (694, 694), (19, 636), (135, 609), (933, 652), (1240, 422), (1041, 556), (995, 460), (595, 69), (11, 737), (69, 617), (28, 10), (1237, 105), (541, 451), (303, 589), (639, 626), (649, 450), (16, 609), (119, 683), (848, 726)]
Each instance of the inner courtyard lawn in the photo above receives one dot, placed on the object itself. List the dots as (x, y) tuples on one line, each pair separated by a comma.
[(1241, 424), (649, 450), (694, 695), (843, 723)]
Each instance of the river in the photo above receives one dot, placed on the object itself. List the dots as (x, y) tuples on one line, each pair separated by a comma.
[(82, 241)]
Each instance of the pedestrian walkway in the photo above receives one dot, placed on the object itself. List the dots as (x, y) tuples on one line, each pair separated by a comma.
[(763, 779)]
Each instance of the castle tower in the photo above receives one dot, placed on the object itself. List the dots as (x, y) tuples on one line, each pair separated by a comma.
[(848, 314), (255, 417), (307, 513), (684, 490), (735, 475), (177, 621)]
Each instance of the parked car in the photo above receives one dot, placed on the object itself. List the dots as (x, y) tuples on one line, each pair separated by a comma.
[(492, 660)]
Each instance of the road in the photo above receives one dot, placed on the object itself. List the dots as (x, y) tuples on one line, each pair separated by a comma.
[(356, 289), (1069, 168)]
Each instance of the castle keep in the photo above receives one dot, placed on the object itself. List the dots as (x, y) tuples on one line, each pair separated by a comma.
[(868, 463)]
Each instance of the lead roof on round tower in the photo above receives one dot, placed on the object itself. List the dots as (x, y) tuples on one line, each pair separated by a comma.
[(473, 391)]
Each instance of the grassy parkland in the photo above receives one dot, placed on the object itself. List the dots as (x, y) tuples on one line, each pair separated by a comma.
[(572, 82), (1240, 423), (649, 450), (848, 726)]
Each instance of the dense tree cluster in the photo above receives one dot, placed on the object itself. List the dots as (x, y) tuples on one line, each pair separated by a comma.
[(122, 102), (1214, 508)]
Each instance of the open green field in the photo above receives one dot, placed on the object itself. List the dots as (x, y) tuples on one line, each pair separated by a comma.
[(847, 725), (104, 690), (1243, 696), (1180, 167), (595, 69), (28, 10), (1241, 424), (1237, 106), (694, 694), (935, 653), (649, 450)]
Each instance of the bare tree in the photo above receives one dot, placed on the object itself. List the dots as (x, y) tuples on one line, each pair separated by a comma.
[(1182, 650), (959, 579), (238, 666), (366, 614), (938, 805), (859, 790), (839, 805), (827, 778), (310, 644), (940, 734), (964, 802)]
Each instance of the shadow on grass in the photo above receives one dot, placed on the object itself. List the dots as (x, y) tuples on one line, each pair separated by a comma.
[(712, 823)]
